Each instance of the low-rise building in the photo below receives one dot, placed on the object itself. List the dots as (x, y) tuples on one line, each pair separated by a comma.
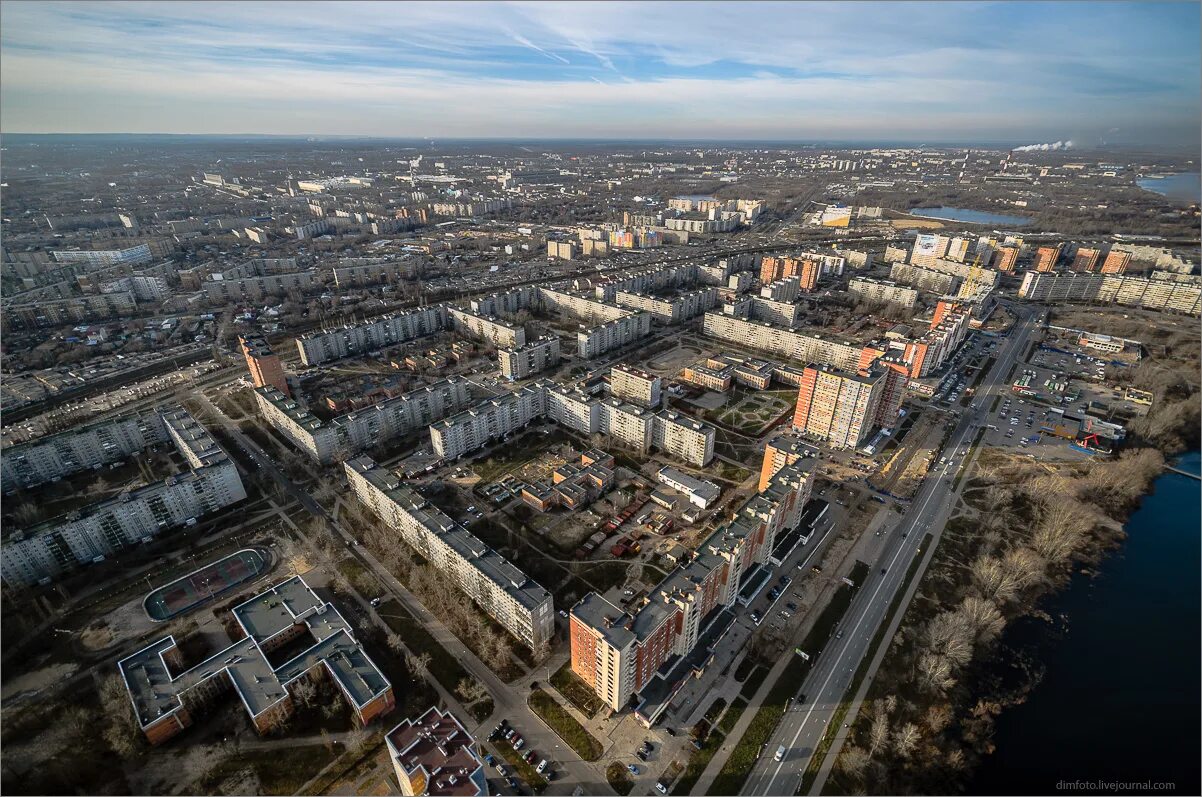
[(701, 493), (166, 703)]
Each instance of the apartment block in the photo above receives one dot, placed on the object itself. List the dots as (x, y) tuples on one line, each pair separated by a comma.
[(782, 342), (256, 288), (434, 754), (683, 438), (1086, 259), (500, 589), (37, 315), (619, 652), (319, 347), (82, 448), (166, 703), (45, 551), (925, 279), (782, 290), (670, 310), (263, 364), (496, 331), (781, 451), (612, 335), (562, 250), (364, 428), (1046, 258), (360, 272), (806, 268), (635, 386), (537, 355), (487, 422), (1116, 261), (505, 303), (627, 424), (105, 257), (781, 314), (883, 292), (1005, 259), (1151, 294), (838, 407), (928, 248)]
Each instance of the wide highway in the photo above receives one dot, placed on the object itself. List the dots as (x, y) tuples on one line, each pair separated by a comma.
[(826, 685)]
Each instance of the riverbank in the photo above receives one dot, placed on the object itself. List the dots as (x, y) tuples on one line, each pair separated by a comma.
[(1118, 652), (1024, 534)]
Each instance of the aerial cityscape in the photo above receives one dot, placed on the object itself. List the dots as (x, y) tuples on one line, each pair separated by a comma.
[(600, 399)]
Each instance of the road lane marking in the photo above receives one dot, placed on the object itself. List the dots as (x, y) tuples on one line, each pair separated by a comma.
[(876, 592)]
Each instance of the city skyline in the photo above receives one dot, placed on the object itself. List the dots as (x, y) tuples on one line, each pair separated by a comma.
[(1111, 73)]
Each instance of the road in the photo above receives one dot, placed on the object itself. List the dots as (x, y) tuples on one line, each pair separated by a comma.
[(824, 688), (509, 700)]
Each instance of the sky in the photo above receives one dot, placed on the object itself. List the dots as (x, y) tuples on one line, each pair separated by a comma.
[(1013, 72)]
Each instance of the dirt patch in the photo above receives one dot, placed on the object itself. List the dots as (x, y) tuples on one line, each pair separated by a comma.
[(37, 680)]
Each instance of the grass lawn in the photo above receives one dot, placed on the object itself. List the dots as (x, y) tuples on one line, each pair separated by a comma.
[(753, 682), (564, 724), (618, 778), (576, 691), (731, 717), (698, 761), (443, 666), (363, 580)]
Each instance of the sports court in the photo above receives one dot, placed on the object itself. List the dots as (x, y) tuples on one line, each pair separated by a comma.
[(204, 584)]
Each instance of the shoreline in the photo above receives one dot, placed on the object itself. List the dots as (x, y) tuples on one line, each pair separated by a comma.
[(995, 678)]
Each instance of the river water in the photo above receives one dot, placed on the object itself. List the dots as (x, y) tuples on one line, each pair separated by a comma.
[(1119, 700), (970, 216), (1186, 186)]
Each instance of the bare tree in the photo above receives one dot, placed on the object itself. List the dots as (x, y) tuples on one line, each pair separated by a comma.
[(419, 665)]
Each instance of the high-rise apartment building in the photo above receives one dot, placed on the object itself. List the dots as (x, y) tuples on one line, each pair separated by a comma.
[(434, 754), (1046, 257), (838, 407), (928, 248), (536, 356), (1086, 258), (635, 385), (264, 365), (781, 451), (619, 652), (1116, 262), (1006, 259)]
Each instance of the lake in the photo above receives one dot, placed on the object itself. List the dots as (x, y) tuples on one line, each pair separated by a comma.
[(1120, 696), (1186, 186), (970, 216)]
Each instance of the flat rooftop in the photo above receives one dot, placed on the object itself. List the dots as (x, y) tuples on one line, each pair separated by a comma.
[(155, 691)]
